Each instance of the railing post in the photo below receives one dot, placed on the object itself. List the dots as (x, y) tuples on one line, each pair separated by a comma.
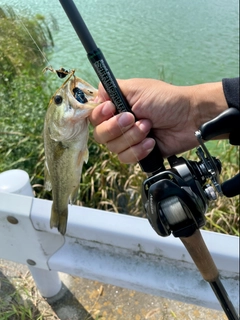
[(17, 181), (47, 281)]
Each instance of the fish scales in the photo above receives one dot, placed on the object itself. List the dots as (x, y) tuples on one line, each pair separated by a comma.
[(65, 144)]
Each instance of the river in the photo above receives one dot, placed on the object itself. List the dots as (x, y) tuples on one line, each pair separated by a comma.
[(182, 42)]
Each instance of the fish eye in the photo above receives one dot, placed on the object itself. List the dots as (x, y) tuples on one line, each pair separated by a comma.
[(58, 99)]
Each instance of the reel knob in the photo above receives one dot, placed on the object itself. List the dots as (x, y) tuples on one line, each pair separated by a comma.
[(210, 193)]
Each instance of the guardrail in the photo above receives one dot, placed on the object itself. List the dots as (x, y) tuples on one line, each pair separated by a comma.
[(112, 248)]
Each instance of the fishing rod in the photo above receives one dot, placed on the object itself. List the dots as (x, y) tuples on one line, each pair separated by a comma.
[(154, 161), (176, 199)]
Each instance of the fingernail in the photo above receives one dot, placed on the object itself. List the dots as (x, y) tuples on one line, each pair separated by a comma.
[(148, 144), (108, 108), (145, 125), (97, 100), (125, 119)]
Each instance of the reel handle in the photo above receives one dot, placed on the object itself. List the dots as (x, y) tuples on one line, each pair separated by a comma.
[(227, 122)]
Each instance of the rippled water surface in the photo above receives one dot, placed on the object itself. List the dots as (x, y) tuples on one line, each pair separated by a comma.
[(183, 42)]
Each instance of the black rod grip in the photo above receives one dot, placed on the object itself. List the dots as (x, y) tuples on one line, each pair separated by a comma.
[(227, 122), (154, 161), (231, 187), (108, 80)]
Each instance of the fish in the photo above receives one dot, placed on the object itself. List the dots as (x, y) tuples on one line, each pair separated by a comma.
[(66, 132)]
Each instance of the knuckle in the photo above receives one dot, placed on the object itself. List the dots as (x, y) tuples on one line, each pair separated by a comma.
[(96, 136)]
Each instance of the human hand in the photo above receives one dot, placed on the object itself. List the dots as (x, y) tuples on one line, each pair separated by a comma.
[(173, 113)]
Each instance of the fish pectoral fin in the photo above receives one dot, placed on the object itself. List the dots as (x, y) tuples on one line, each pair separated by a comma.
[(73, 195), (86, 156), (82, 157), (47, 180)]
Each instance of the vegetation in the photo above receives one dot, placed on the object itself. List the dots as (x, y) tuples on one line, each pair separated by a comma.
[(22, 40), (23, 92), (20, 299)]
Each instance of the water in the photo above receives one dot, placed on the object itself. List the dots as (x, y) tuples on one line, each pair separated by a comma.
[(183, 42)]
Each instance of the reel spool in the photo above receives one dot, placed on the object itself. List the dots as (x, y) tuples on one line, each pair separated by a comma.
[(173, 210), (177, 199)]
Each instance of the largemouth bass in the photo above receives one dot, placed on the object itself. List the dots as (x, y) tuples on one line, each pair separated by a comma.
[(65, 143)]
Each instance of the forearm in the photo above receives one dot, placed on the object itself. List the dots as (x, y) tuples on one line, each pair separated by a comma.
[(208, 101)]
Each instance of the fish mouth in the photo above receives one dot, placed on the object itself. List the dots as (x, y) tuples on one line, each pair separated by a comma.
[(82, 91)]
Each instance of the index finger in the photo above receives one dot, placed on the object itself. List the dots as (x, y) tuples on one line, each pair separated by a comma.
[(102, 94), (102, 112)]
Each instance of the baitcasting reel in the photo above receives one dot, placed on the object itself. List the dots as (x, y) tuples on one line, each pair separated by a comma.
[(177, 199)]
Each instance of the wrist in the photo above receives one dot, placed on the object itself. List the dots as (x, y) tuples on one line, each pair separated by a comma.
[(207, 101)]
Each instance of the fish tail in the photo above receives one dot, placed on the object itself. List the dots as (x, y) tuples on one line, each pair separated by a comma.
[(59, 220)]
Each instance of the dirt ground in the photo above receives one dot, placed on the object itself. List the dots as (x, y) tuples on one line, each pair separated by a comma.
[(82, 299)]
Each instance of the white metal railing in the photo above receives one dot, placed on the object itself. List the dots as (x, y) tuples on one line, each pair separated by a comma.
[(112, 248)]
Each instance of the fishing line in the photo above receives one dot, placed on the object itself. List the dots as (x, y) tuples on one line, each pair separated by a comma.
[(47, 61), (153, 162), (34, 41)]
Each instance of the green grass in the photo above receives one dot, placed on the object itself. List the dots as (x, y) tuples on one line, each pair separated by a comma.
[(20, 300), (24, 92)]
